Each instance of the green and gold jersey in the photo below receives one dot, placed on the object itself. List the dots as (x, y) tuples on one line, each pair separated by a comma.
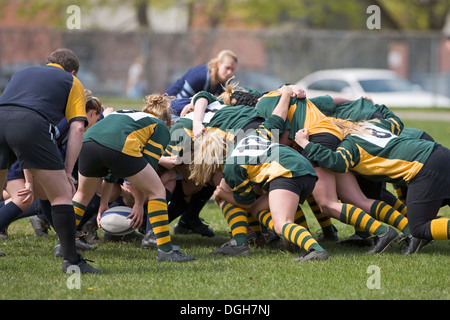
[(258, 159), (302, 114), (181, 139), (379, 154), (134, 133), (355, 110), (229, 120)]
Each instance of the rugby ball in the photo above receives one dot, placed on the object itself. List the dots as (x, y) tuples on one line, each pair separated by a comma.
[(115, 221)]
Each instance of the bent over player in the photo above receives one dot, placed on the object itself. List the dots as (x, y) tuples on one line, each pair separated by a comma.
[(128, 144)]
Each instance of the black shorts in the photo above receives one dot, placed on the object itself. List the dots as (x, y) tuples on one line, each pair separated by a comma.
[(325, 139), (302, 186), (97, 160), (252, 125), (29, 138), (432, 183)]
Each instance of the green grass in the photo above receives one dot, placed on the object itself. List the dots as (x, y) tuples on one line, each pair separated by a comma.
[(29, 271)]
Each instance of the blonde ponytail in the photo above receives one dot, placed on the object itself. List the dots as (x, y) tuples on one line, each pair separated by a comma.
[(348, 127)]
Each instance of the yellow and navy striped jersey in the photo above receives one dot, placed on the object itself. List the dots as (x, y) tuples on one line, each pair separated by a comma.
[(302, 114), (379, 154), (258, 159), (49, 90), (134, 133)]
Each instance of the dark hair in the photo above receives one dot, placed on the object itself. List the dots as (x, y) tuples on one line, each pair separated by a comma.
[(234, 97), (243, 98), (92, 103), (66, 59)]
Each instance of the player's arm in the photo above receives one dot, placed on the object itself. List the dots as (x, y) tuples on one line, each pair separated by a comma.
[(156, 145), (282, 107), (137, 213), (74, 143), (396, 123), (76, 117), (235, 180), (200, 106), (341, 160), (27, 192), (224, 193)]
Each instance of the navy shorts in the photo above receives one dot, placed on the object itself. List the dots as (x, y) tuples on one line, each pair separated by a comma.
[(29, 138)]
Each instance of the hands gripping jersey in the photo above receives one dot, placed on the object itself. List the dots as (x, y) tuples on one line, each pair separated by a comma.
[(302, 114), (379, 155), (134, 133), (257, 160), (229, 120)]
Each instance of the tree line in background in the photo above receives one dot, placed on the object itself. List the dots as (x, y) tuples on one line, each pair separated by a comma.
[(316, 14)]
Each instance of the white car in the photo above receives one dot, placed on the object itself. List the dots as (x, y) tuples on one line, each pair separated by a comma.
[(383, 86)]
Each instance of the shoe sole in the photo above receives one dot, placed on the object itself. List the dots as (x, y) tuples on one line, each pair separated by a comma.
[(323, 256)]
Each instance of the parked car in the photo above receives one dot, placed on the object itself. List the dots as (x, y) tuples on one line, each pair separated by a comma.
[(383, 86)]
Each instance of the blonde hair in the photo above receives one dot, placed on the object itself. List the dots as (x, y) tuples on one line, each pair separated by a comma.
[(159, 106), (213, 63), (92, 103), (228, 90), (209, 153), (233, 96), (348, 127)]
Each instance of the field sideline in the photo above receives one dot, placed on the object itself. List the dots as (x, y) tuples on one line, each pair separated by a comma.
[(30, 272)]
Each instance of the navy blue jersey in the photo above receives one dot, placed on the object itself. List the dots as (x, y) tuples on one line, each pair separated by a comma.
[(49, 90), (194, 80)]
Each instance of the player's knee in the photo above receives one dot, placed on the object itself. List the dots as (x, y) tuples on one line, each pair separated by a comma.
[(421, 231)]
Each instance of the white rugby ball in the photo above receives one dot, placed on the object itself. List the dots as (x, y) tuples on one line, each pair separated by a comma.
[(115, 221)]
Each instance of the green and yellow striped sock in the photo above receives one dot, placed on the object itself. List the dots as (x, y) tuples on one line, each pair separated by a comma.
[(301, 237), (362, 233), (400, 206), (324, 220), (300, 218), (383, 212), (265, 218), (237, 220), (254, 224), (159, 219), (399, 191), (79, 212), (356, 217), (440, 228)]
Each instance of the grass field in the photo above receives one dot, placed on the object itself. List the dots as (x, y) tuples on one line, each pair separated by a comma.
[(29, 271)]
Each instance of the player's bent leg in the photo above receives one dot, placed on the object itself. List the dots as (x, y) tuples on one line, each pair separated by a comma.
[(157, 214), (283, 205), (86, 190)]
